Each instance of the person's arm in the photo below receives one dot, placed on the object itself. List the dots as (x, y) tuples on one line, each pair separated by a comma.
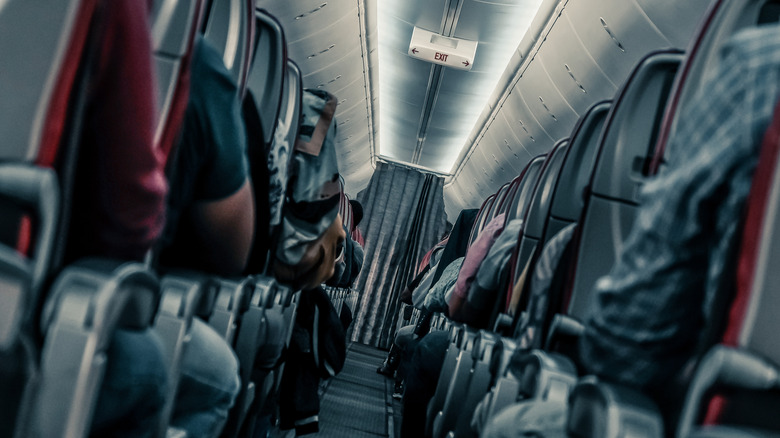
[(460, 310), (226, 230), (222, 212)]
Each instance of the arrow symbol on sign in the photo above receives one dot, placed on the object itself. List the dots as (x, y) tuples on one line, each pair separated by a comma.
[(414, 50), (466, 63)]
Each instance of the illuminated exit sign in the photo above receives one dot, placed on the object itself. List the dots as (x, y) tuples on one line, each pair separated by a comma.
[(438, 49)]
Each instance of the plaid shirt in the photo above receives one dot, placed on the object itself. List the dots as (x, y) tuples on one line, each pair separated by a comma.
[(650, 310)]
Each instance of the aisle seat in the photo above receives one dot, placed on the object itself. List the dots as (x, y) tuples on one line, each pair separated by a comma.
[(230, 27)]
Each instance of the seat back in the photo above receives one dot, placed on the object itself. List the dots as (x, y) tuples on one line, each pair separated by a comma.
[(577, 168), (41, 93), (272, 83), (510, 190), (268, 71), (230, 28), (529, 178), (174, 23), (481, 218), (751, 323), (626, 146), (723, 19), (522, 199), (496, 208), (284, 139), (539, 209)]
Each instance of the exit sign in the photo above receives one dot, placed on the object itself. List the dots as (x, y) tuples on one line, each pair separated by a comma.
[(438, 49)]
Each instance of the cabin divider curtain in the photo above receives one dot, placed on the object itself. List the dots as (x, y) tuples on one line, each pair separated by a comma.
[(403, 218)]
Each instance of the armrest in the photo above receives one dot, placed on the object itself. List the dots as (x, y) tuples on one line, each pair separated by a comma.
[(184, 295), (546, 376), (503, 323), (563, 326), (15, 305), (726, 367), (36, 190), (232, 301), (603, 410), (251, 336), (89, 301)]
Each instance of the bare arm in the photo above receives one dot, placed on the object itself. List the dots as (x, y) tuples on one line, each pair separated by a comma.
[(226, 230)]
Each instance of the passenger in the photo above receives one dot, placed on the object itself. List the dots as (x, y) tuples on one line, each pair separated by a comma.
[(422, 372), (210, 228), (649, 312), (417, 291), (423, 356), (475, 305), (120, 193)]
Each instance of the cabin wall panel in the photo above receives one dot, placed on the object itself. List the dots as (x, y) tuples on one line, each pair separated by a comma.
[(677, 20), (600, 42), (616, 33), (572, 69)]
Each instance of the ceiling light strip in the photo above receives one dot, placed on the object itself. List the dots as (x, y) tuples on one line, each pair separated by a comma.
[(448, 23), (367, 79), (548, 13)]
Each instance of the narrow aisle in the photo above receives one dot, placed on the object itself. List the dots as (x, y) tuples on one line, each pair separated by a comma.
[(357, 402)]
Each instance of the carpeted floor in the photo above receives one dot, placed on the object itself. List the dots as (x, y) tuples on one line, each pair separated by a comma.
[(357, 402)]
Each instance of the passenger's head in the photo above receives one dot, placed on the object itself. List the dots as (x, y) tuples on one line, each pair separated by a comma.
[(318, 262), (357, 212)]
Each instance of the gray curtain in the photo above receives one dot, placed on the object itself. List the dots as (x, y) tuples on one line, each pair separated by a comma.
[(403, 218)]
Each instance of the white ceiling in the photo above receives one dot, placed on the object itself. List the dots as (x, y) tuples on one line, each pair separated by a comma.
[(456, 122)]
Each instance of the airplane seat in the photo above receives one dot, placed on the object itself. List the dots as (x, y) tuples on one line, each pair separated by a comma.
[(481, 220), (272, 102), (577, 168), (518, 208), (534, 217), (230, 26), (734, 389), (272, 110), (611, 201), (722, 20), (736, 384), (47, 68), (504, 194), (495, 208), (457, 364)]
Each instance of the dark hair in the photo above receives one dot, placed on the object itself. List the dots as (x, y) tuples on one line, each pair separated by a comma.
[(357, 212)]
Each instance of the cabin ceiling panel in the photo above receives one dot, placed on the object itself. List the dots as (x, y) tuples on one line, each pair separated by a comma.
[(451, 100), (300, 17), (351, 97)]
